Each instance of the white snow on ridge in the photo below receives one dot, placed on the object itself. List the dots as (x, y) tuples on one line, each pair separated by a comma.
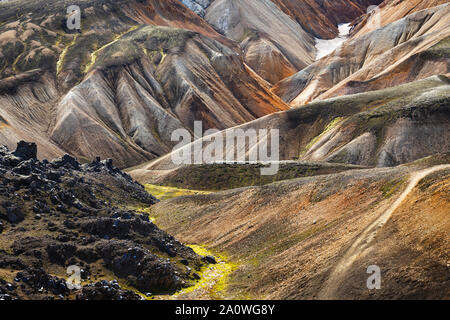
[(325, 47), (344, 29)]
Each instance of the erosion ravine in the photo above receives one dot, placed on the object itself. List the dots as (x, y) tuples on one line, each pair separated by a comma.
[(212, 279)]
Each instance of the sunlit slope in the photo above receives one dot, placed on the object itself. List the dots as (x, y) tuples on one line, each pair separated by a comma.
[(290, 237), (134, 73), (379, 128), (405, 50)]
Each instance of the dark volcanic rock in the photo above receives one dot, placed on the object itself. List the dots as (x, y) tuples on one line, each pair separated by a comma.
[(66, 161), (142, 269), (104, 290), (59, 214), (26, 150), (39, 280), (210, 259), (60, 252), (14, 214)]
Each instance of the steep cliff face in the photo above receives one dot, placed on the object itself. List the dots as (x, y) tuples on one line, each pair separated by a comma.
[(411, 48)]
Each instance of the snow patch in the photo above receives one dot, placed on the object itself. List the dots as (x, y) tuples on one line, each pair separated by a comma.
[(325, 47)]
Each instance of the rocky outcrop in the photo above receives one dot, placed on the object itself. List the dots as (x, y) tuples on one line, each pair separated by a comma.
[(198, 6), (54, 215), (388, 12)]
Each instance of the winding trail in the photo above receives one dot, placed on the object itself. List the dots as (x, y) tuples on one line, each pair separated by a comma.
[(364, 240)]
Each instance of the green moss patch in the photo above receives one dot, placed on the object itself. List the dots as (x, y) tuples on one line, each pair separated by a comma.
[(164, 193)]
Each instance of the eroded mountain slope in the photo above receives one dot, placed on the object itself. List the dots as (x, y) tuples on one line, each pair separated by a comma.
[(274, 45), (409, 49), (379, 128), (173, 77), (321, 18), (118, 87), (288, 238), (390, 11)]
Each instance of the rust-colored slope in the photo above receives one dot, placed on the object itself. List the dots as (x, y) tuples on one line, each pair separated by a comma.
[(409, 49), (287, 238), (172, 13), (390, 11), (265, 32), (321, 18), (114, 94), (360, 249), (151, 82)]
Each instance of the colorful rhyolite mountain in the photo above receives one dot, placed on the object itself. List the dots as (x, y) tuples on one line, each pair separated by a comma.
[(359, 91)]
